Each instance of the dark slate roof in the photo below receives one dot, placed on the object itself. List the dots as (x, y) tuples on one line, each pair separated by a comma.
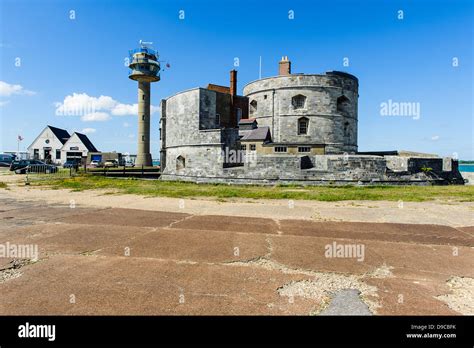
[(87, 143), (61, 134), (247, 120), (261, 133)]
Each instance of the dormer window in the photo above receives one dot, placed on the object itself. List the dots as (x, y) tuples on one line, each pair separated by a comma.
[(298, 101)]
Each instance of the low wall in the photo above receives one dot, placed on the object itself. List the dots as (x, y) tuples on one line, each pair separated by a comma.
[(326, 170)]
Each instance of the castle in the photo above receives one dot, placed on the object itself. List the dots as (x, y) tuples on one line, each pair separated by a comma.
[(291, 128)]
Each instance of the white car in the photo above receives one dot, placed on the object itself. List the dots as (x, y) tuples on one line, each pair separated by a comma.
[(94, 164), (129, 164)]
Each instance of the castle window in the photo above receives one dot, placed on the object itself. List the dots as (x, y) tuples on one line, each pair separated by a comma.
[(298, 101), (253, 147), (218, 120), (253, 106), (180, 162), (280, 149), (243, 147), (303, 124), (343, 104), (264, 96), (304, 149)]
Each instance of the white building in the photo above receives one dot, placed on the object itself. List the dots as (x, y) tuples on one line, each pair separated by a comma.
[(56, 145), (77, 147)]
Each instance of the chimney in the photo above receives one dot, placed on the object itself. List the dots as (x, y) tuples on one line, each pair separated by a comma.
[(284, 66), (233, 82)]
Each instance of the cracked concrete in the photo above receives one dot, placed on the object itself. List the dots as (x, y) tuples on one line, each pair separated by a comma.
[(134, 261)]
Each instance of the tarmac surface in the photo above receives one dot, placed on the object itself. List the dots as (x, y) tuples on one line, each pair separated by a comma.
[(108, 261)]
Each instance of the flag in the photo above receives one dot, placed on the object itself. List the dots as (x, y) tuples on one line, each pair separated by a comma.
[(20, 138)]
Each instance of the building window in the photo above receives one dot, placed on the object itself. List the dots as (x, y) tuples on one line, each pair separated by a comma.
[(143, 97), (343, 104), (180, 163), (239, 114), (143, 117), (298, 101), (303, 124), (218, 120), (253, 147), (58, 154), (143, 138), (264, 96), (346, 129), (253, 106), (280, 149), (243, 147), (35, 154), (304, 149)]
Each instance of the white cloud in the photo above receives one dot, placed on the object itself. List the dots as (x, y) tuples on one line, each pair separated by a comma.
[(96, 116), (94, 108), (131, 136), (125, 109), (3, 103), (7, 90), (435, 137), (126, 124), (88, 130)]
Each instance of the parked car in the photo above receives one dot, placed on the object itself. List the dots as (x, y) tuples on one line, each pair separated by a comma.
[(35, 166), (6, 160), (128, 164), (111, 164), (71, 164), (94, 164)]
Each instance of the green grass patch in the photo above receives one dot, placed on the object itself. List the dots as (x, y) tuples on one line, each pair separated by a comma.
[(3, 185), (157, 188)]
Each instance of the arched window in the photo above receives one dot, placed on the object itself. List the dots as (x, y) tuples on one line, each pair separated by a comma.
[(303, 125), (343, 104), (253, 106), (180, 163), (298, 101)]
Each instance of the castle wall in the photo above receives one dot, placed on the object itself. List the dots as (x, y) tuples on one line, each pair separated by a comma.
[(337, 129), (194, 140)]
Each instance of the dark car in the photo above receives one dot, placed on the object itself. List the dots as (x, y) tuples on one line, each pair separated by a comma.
[(6, 160), (71, 164), (35, 166)]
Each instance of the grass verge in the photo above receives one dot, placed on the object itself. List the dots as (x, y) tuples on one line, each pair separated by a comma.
[(156, 188)]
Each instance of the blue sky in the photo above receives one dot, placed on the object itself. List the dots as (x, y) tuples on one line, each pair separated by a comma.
[(403, 60)]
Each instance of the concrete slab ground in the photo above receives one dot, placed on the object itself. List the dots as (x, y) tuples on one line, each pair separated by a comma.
[(99, 259)]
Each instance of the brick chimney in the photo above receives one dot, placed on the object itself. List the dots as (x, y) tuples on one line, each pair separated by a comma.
[(233, 82), (284, 66)]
